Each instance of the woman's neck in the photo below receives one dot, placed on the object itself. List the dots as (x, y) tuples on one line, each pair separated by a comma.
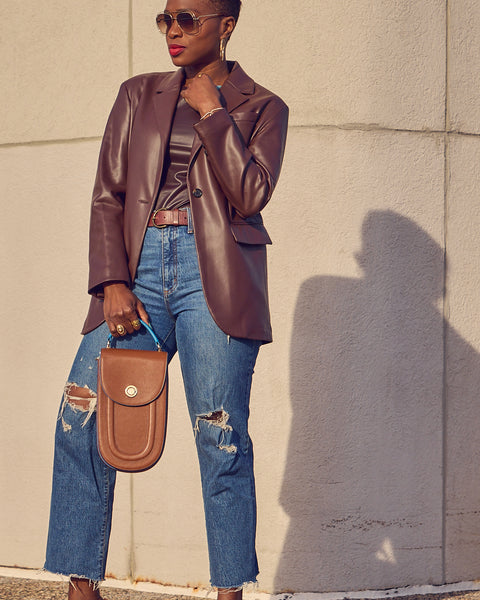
[(217, 71)]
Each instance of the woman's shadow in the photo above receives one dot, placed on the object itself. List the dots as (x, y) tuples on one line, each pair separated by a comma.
[(363, 483)]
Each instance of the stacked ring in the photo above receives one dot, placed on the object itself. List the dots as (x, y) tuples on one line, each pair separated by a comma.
[(136, 324)]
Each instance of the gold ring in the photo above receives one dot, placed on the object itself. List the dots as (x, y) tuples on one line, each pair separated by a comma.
[(121, 329), (136, 324)]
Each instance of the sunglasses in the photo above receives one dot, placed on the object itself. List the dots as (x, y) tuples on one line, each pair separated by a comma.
[(187, 20)]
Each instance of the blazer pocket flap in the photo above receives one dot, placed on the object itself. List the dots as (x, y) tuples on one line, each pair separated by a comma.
[(248, 233), (245, 122)]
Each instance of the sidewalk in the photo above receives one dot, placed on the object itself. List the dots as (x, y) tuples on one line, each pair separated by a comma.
[(12, 588), (27, 584), (19, 584)]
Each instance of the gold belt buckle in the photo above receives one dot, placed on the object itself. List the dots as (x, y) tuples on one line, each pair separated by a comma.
[(163, 225)]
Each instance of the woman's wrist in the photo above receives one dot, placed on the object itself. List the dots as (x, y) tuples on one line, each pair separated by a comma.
[(208, 105), (113, 285), (210, 112)]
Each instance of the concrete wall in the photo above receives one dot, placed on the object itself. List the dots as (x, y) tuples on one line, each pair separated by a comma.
[(365, 409)]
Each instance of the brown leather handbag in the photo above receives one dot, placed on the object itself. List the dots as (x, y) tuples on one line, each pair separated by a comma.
[(132, 406)]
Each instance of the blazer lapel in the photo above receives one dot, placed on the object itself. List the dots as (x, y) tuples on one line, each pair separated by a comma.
[(165, 102), (235, 91), (237, 88)]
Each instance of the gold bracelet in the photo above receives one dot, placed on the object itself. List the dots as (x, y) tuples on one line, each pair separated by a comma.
[(210, 112)]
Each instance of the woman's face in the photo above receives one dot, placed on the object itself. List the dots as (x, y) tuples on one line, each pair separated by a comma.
[(197, 50)]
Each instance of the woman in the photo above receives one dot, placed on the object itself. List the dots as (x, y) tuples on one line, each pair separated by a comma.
[(187, 162)]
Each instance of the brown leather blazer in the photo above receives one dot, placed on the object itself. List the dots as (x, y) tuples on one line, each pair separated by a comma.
[(234, 165)]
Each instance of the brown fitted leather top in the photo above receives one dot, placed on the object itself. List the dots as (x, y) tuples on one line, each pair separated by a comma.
[(173, 187)]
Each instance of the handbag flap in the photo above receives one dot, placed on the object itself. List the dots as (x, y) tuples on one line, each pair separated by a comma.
[(132, 377)]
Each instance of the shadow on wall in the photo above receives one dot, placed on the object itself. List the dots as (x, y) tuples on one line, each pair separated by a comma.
[(363, 478)]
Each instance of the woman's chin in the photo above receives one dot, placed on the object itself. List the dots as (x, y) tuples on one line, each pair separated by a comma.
[(178, 61)]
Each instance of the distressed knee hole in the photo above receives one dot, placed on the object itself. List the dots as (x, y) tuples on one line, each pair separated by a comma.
[(79, 399), (218, 418)]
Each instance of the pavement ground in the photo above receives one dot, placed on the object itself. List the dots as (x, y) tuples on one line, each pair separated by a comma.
[(40, 588)]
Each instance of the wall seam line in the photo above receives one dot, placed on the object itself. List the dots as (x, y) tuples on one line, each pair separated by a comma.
[(98, 138), (132, 565), (374, 129), (131, 557), (445, 361), (445, 307), (370, 128), (51, 142), (130, 38)]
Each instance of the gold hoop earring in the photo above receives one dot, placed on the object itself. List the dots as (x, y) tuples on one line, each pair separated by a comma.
[(223, 46)]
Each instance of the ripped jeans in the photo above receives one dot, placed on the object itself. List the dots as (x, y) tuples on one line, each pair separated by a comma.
[(217, 373)]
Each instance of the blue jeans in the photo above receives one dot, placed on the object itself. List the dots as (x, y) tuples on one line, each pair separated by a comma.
[(217, 373)]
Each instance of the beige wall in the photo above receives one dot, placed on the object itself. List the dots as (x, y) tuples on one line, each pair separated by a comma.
[(365, 409)]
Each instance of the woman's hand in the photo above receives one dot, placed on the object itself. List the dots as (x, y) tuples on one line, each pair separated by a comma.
[(122, 307), (202, 94)]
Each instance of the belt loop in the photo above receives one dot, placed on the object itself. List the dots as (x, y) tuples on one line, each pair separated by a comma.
[(190, 220)]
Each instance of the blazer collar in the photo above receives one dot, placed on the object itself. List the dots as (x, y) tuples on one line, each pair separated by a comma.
[(165, 102), (170, 82), (235, 90)]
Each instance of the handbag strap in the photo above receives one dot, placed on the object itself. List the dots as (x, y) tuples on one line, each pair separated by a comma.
[(150, 331)]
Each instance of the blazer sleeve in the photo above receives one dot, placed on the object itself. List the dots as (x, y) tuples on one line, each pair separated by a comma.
[(107, 254), (246, 171)]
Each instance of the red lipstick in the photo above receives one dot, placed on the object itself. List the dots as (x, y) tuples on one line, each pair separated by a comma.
[(175, 49)]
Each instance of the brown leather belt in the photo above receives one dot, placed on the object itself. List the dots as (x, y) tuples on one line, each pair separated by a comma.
[(161, 218)]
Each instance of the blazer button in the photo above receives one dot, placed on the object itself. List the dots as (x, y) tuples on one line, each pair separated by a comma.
[(197, 192)]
